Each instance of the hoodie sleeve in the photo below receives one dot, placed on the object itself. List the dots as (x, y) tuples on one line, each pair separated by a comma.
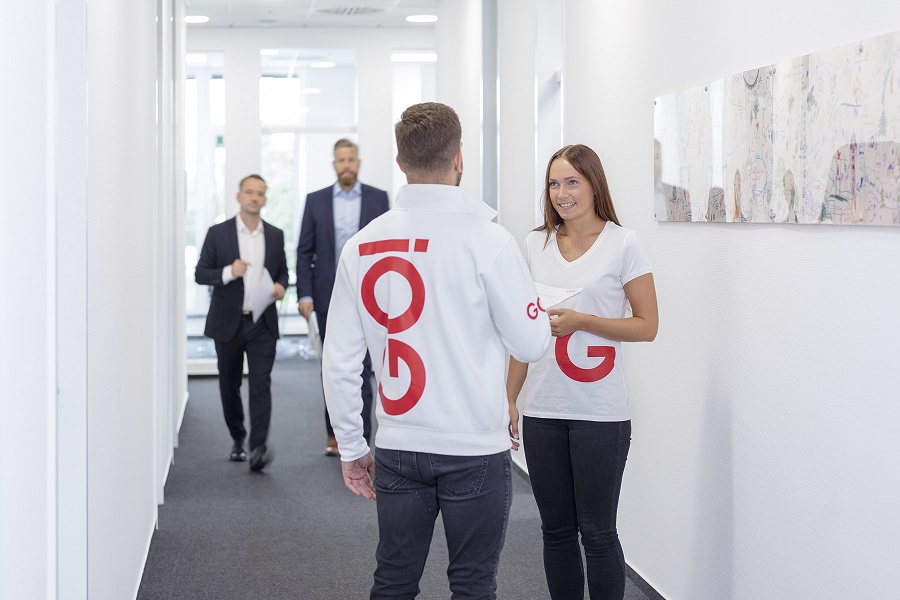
[(342, 358), (513, 302)]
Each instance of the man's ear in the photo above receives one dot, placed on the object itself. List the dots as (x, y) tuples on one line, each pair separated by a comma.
[(458, 161), (400, 164)]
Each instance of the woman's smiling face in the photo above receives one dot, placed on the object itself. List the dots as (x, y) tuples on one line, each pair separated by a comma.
[(570, 192)]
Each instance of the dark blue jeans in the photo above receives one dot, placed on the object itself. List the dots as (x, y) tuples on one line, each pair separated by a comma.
[(473, 495), (576, 470)]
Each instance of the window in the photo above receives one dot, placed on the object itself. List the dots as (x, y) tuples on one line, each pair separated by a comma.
[(204, 169), (307, 101)]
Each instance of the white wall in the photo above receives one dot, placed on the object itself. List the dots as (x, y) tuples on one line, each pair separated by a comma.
[(27, 310), (765, 446), (122, 317), (89, 387)]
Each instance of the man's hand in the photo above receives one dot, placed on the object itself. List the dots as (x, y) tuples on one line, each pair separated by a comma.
[(278, 291), (305, 308), (239, 267), (358, 476)]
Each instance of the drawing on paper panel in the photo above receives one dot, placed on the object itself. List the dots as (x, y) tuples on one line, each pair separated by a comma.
[(814, 139)]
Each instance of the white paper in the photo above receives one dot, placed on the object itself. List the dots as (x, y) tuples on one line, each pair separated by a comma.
[(315, 342), (263, 294), (551, 296)]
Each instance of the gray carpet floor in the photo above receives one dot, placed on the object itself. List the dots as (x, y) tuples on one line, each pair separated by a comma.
[(294, 531)]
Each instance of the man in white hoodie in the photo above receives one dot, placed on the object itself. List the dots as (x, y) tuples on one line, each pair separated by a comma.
[(438, 294)]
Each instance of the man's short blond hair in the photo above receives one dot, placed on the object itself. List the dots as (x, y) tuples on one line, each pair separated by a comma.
[(345, 143)]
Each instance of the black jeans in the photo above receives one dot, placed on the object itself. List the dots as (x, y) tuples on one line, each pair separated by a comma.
[(258, 343), (576, 470), (473, 495), (366, 392)]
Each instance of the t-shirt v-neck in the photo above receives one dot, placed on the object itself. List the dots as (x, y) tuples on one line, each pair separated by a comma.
[(587, 253)]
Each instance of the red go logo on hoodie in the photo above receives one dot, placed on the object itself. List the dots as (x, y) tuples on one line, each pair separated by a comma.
[(396, 350)]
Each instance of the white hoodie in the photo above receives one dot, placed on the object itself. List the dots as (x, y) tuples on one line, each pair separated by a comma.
[(438, 294)]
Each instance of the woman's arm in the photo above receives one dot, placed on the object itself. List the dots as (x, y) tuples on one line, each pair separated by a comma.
[(640, 327), (515, 379)]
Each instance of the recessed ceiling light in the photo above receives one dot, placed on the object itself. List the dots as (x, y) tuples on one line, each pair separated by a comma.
[(421, 18), (268, 52), (322, 64), (311, 91), (193, 19), (414, 57), (350, 10), (195, 59)]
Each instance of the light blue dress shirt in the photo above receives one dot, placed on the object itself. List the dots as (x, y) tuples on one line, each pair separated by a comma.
[(346, 208)]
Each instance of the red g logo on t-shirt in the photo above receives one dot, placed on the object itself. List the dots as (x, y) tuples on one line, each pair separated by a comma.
[(576, 373)]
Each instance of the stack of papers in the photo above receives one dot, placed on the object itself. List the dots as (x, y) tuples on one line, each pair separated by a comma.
[(262, 295), (551, 296)]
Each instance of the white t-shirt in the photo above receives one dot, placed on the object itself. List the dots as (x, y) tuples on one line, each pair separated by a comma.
[(581, 377)]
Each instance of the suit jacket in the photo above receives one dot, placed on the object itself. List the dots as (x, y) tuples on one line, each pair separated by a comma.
[(220, 249), (315, 249)]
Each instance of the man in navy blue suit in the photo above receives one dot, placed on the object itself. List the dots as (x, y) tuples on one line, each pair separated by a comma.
[(331, 217), (234, 256)]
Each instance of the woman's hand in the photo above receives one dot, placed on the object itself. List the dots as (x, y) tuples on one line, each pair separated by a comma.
[(564, 321), (514, 425)]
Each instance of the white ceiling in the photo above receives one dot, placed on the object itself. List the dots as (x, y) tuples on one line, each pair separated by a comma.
[(309, 13)]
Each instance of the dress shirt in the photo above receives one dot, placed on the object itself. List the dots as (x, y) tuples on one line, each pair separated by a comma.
[(346, 207), (252, 246)]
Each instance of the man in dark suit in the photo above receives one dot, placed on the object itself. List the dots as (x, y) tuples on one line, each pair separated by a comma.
[(331, 217), (234, 256)]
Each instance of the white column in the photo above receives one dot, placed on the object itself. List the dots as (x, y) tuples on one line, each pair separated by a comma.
[(549, 70), (458, 32), (167, 242), (516, 35), (376, 132), (71, 298), (242, 128), (179, 184), (529, 57)]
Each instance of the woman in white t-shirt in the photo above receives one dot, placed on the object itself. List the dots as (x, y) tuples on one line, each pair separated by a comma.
[(574, 404)]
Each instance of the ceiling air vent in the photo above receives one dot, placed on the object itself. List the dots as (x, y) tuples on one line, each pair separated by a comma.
[(349, 10)]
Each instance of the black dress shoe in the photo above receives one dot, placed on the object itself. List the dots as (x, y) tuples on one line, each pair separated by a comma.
[(259, 458), (238, 452)]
